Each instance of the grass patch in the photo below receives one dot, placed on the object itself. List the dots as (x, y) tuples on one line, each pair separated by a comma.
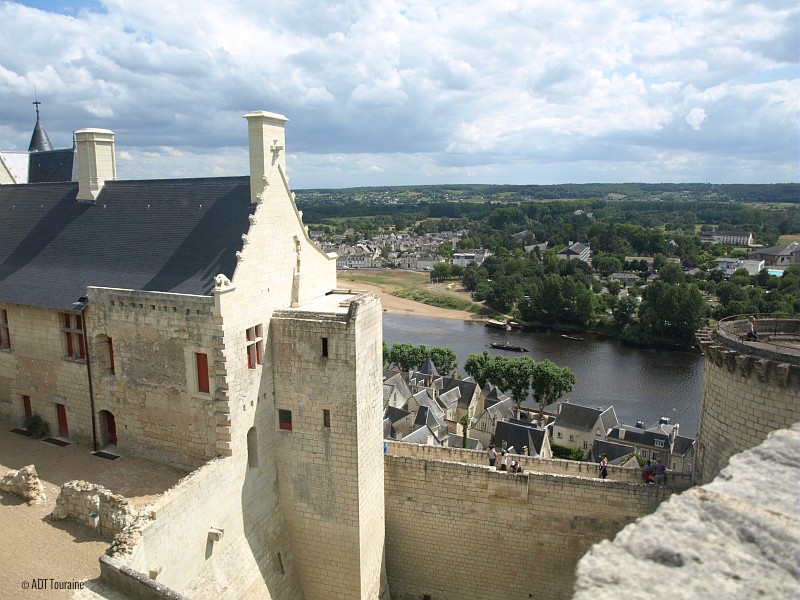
[(441, 301), (788, 238)]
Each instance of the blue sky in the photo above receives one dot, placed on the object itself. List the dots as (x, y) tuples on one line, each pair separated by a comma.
[(392, 92)]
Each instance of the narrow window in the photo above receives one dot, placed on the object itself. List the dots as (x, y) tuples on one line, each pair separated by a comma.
[(326, 418), (252, 447), (73, 335), (285, 419), (201, 362), (255, 344), (280, 562), (324, 347), (5, 334), (111, 356)]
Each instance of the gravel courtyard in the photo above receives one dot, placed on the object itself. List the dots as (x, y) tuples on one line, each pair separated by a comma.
[(33, 547)]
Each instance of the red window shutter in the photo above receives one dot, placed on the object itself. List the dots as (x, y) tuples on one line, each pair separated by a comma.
[(202, 372), (81, 348), (69, 344)]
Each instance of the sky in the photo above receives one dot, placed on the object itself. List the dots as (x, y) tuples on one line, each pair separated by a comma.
[(408, 92)]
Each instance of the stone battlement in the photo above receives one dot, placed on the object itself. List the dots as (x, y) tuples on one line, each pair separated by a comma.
[(531, 464)]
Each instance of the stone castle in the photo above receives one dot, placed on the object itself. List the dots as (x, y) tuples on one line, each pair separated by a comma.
[(193, 321)]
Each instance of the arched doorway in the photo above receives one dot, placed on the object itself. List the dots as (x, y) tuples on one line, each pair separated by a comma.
[(108, 428)]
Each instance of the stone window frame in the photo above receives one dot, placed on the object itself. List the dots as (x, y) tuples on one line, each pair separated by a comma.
[(74, 336), (326, 418), (5, 331), (659, 443), (190, 363), (285, 419), (255, 346)]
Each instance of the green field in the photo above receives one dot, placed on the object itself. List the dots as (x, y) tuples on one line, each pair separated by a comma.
[(788, 238)]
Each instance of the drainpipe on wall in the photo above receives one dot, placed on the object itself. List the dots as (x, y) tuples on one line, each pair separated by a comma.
[(85, 301)]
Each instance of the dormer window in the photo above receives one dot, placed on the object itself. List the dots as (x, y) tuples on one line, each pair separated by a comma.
[(659, 443)]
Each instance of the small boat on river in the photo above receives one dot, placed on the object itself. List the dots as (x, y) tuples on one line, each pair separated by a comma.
[(571, 337), (508, 347), (495, 324)]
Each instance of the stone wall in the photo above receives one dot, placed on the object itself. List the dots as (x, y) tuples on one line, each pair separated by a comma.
[(737, 537), (747, 393), (467, 531), (24, 483), (37, 366), (78, 499), (152, 392), (675, 481), (175, 543)]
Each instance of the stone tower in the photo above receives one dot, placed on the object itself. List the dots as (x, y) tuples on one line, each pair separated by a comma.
[(750, 388)]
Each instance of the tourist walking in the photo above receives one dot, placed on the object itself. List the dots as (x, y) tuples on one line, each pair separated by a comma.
[(661, 473), (503, 460), (603, 466), (491, 454), (752, 334)]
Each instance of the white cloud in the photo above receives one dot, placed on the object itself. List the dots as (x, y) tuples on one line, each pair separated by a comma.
[(696, 118), (506, 91)]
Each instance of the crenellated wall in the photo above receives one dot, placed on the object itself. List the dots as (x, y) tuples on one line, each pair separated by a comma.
[(749, 390)]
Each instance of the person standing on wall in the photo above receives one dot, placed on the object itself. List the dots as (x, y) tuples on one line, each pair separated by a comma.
[(491, 454), (661, 473), (603, 466)]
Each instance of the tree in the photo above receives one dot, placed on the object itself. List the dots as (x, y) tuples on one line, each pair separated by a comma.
[(607, 264), (444, 359), (517, 378), (497, 370), (440, 271), (464, 420), (407, 356), (477, 367), (549, 382), (672, 273), (614, 287)]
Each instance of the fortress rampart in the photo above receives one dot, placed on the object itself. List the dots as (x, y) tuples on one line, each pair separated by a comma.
[(456, 530), (554, 466), (750, 388)]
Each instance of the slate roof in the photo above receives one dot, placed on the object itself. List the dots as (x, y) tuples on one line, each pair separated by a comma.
[(50, 166), (466, 387), (681, 445), (428, 368), (640, 436), (577, 417), (614, 450), (454, 440), (423, 435), (396, 414), (514, 433), (161, 235), (40, 142)]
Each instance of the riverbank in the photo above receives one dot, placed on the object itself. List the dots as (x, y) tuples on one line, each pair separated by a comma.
[(386, 283)]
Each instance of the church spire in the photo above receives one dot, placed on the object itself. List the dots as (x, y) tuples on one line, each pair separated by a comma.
[(39, 140)]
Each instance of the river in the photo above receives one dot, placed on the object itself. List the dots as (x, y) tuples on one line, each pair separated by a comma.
[(641, 384)]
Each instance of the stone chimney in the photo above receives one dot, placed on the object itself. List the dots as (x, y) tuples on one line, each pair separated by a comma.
[(267, 153), (96, 161)]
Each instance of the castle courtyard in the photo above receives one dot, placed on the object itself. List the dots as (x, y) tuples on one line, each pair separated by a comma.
[(36, 547)]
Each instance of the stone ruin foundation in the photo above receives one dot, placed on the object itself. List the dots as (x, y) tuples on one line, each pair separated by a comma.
[(24, 483), (80, 499)]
